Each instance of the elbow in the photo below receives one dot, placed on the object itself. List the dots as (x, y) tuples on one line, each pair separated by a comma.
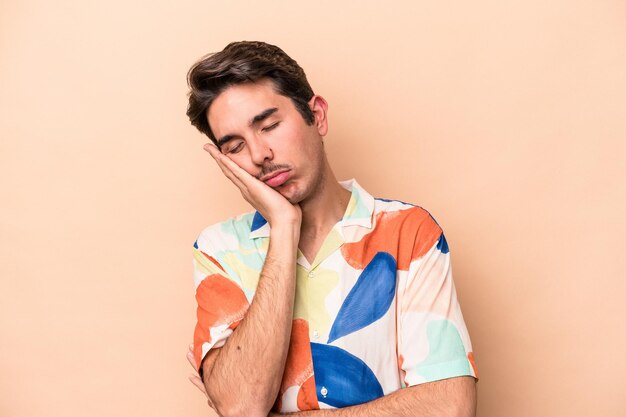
[(239, 400)]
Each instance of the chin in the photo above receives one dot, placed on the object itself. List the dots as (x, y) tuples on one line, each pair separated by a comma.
[(293, 199), (292, 194)]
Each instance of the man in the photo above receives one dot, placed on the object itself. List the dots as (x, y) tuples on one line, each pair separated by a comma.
[(323, 300)]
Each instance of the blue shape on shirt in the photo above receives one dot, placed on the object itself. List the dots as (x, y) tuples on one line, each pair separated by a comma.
[(369, 299), (393, 201), (258, 221), (442, 244), (195, 244), (342, 379)]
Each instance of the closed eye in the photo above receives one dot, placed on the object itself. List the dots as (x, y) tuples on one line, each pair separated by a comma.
[(270, 127), (236, 148)]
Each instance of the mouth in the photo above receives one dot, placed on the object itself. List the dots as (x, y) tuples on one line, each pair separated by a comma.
[(276, 178)]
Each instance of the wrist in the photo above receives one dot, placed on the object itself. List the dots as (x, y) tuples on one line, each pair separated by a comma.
[(285, 220), (285, 232)]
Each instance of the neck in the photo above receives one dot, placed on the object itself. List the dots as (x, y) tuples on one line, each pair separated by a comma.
[(327, 207)]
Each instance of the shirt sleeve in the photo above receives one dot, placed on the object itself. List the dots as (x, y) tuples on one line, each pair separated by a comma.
[(433, 342), (221, 302)]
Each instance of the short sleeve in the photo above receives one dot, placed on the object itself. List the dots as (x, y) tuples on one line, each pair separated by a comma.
[(433, 342), (221, 302)]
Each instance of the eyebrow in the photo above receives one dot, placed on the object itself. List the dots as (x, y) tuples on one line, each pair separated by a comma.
[(262, 116), (224, 140), (255, 120)]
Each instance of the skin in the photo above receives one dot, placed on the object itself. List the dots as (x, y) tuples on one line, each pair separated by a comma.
[(261, 133), (281, 140), (449, 397)]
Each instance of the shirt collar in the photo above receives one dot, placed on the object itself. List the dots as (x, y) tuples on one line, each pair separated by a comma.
[(360, 207), (358, 212)]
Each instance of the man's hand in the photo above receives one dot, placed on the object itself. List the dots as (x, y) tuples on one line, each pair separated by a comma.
[(195, 376), (267, 201)]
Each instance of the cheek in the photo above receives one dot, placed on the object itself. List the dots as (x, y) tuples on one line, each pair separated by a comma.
[(288, 144), (303, 141)]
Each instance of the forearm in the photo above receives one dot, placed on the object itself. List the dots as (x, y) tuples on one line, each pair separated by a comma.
[(455, 397), (248, 369)]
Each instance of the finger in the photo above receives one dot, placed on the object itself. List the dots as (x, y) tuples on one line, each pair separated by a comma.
[(197, 382), (214, 152), (209, 146), (239, 172), (192, 360), (227, 166), (208, 400), (229, 174)]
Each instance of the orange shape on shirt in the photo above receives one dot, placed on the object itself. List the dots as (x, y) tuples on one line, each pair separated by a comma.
[(299, 367), (404, 234), (401, 369), (307, 396), (470, 357), (220, 301), (213, 260)]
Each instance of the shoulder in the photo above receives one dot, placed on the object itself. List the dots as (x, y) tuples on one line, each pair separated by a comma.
[(404, 215), (229, 234), (413, 226)]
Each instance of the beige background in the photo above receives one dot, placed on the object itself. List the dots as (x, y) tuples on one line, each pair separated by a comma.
[(506, 119)]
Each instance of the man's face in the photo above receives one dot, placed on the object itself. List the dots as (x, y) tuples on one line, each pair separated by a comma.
[(263, 133)]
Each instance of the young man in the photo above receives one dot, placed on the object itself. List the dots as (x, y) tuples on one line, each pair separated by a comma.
[(324, 300)]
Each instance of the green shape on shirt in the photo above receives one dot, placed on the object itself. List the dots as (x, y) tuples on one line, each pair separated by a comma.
[(240, 229), (446, 357), (356, 209)]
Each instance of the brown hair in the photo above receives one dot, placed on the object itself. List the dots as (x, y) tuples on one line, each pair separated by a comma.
[(245, 62)]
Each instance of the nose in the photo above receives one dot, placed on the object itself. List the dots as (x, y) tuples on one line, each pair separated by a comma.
[(259, 151)]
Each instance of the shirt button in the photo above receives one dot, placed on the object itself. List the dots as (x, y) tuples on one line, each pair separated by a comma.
[(311, 274), (324, 392), (316, 334)]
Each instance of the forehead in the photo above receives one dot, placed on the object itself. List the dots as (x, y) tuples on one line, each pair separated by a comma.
[(238, 104)]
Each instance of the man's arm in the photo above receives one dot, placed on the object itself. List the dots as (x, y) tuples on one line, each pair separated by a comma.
[(243, 377), (454, 397), (448, 397)]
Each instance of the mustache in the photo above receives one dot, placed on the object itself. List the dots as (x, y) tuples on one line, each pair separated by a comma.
[(270, 167)]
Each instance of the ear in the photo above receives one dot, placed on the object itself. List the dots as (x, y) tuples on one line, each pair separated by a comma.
[(319, 107)]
